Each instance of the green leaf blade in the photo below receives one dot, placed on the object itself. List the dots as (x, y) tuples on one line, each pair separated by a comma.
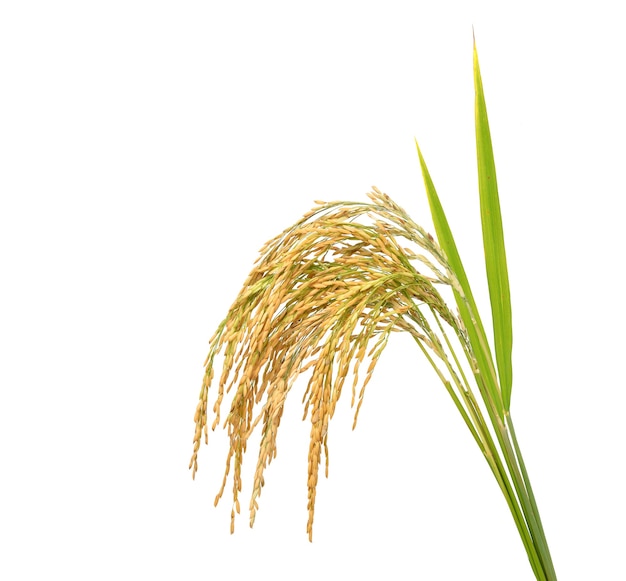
[(467, 306), (493, 242)]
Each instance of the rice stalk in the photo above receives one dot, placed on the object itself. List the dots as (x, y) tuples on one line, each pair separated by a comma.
[(324, 297)]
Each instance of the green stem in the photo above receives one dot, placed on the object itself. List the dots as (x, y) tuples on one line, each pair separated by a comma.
[(482, 435), (533, 538), (540, 534), (520, 512), (492, 455), (513, 479), (520, 489)]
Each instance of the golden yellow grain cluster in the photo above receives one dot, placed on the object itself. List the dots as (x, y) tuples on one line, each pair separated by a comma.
[(323, 297)]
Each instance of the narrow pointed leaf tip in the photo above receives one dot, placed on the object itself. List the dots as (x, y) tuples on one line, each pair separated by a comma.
[(493, 241)]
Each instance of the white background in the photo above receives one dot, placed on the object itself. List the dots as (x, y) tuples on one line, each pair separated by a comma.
[(148, 149)]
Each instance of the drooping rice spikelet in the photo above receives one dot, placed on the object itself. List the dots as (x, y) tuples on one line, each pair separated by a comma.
[(323, 297)]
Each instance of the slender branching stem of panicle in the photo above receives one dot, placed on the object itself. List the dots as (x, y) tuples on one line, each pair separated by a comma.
[(323, 298)]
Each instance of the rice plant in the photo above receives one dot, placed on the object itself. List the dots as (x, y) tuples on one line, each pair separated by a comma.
[(323, 298)]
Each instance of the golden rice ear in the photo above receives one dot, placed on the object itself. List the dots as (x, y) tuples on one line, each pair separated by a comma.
[(323, 297)]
